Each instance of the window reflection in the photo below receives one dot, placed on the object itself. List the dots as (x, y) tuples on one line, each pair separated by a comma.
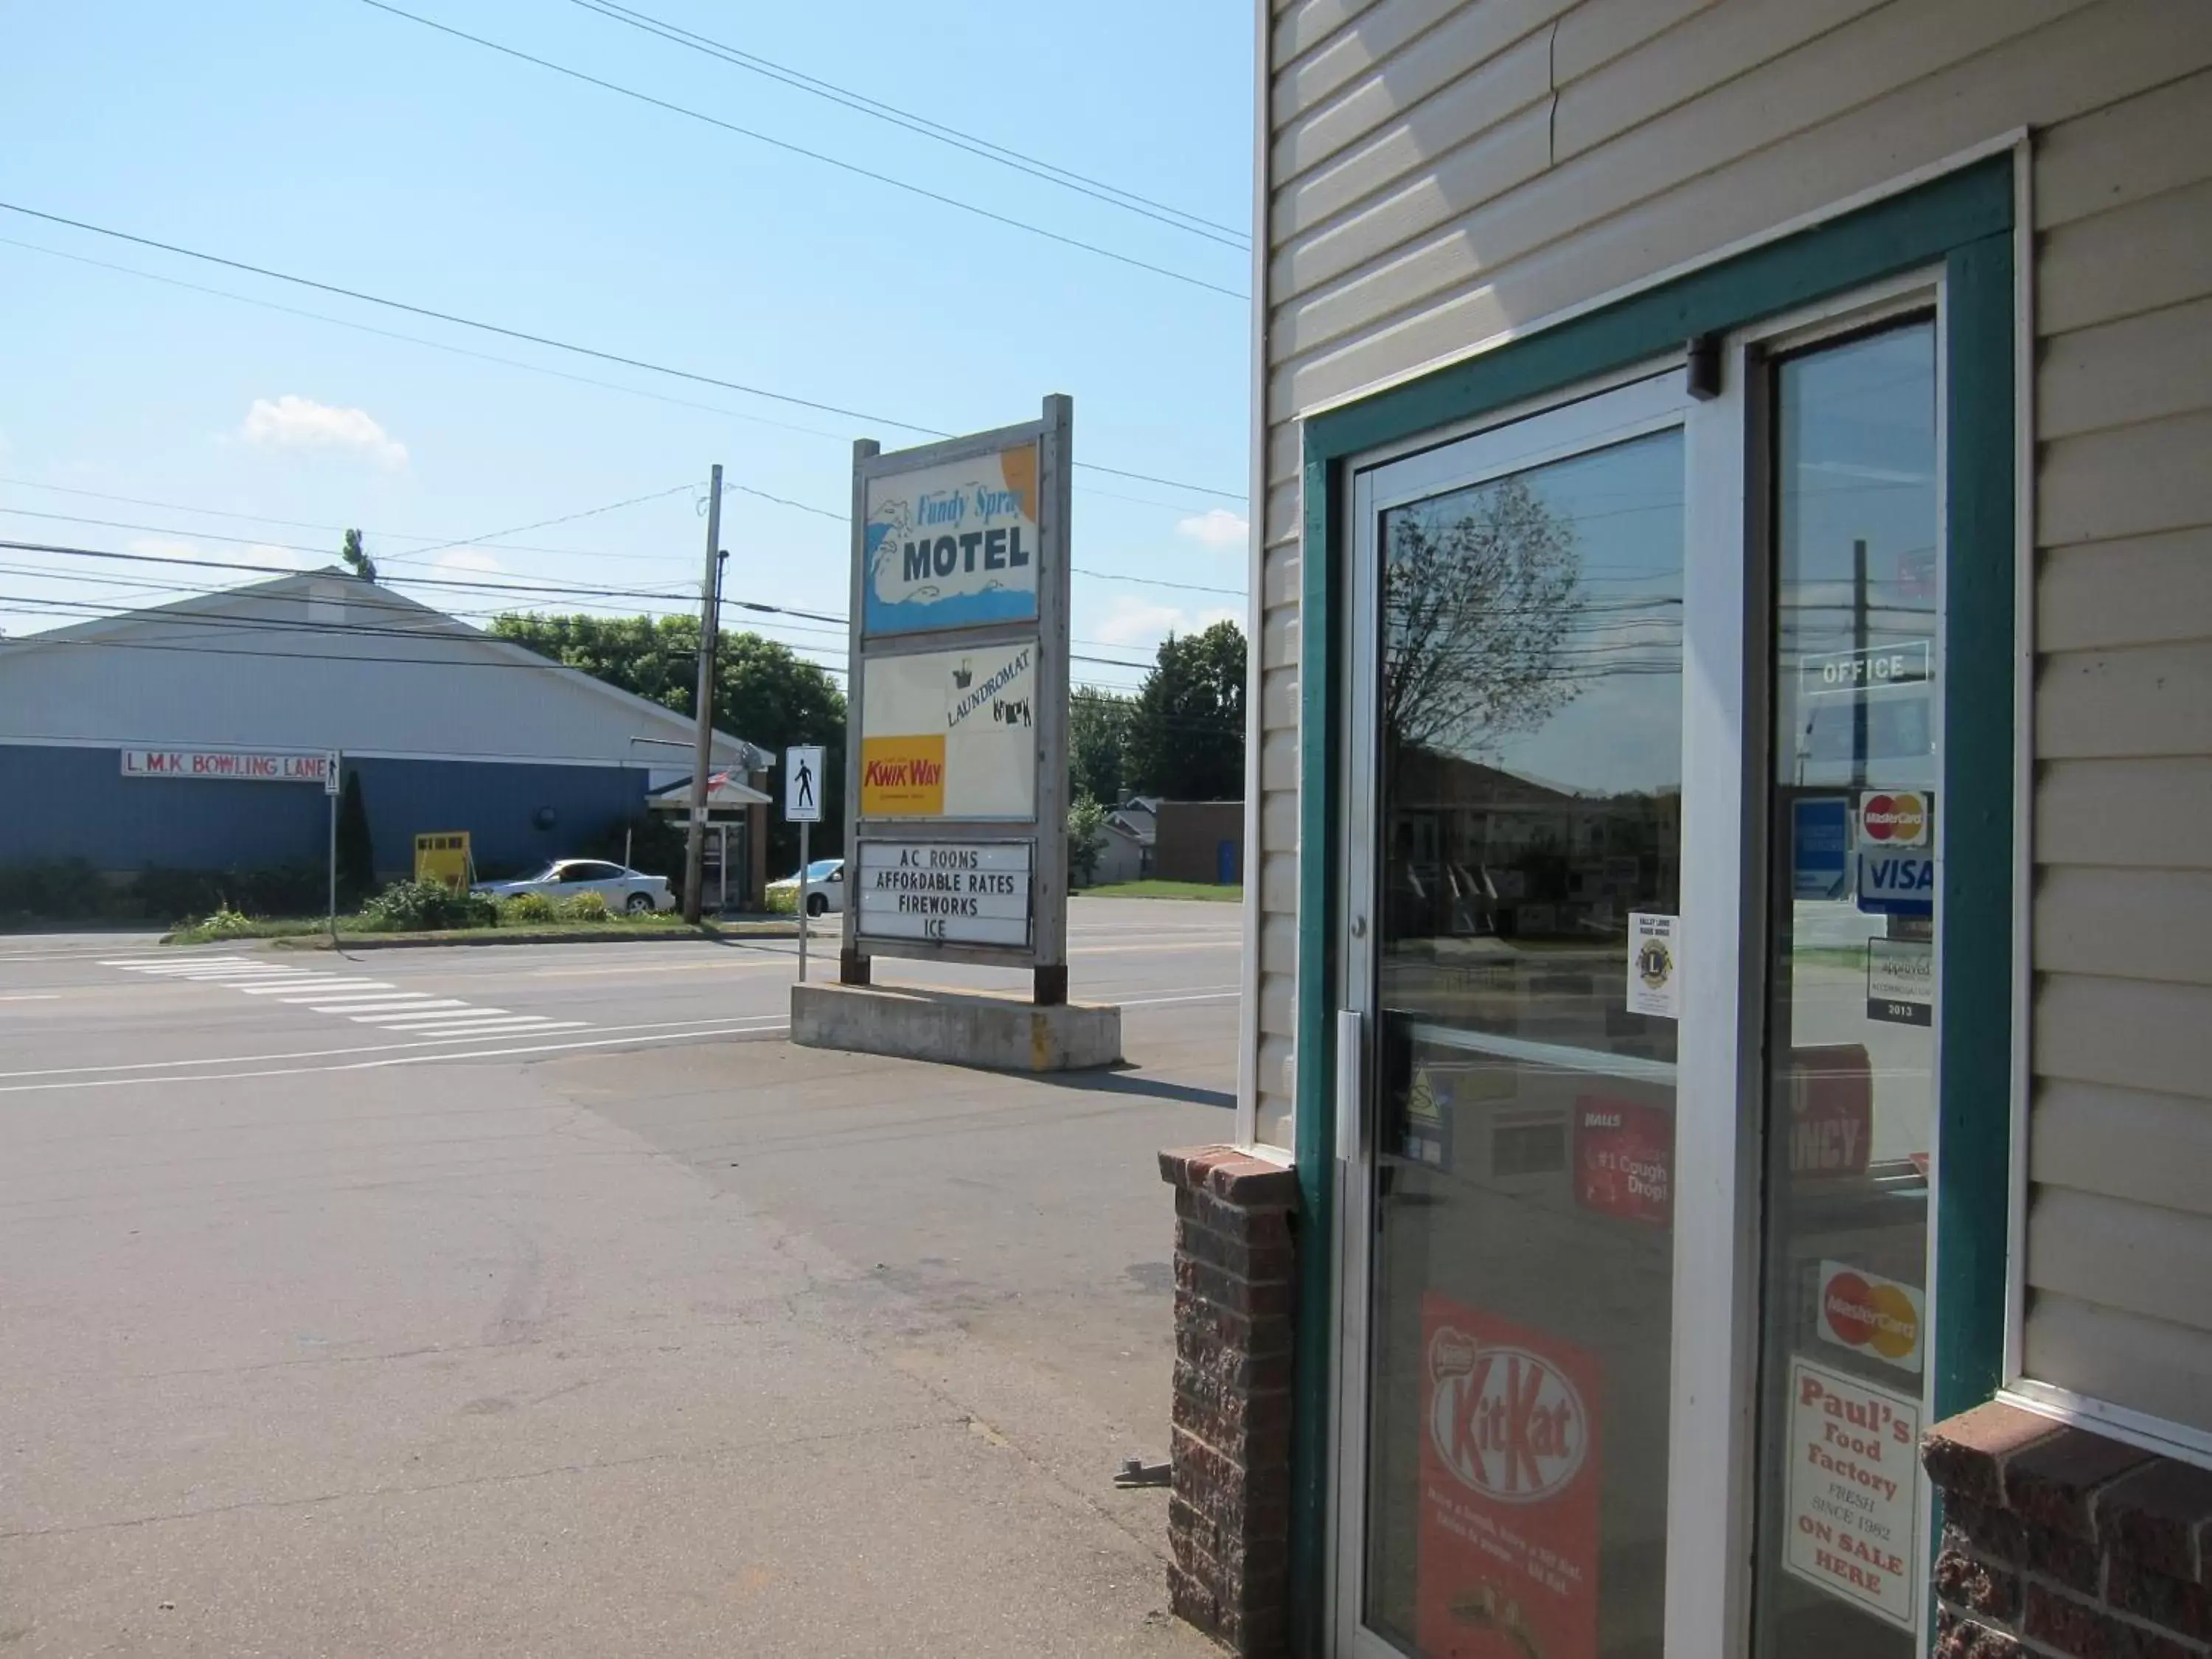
[(1529, 805)]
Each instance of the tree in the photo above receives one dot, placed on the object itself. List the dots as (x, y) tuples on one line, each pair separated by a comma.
[(764, 692), (1097, 735), (1086, 839), (356, 557), (1185, 729), (1478, 599), (356, 851)]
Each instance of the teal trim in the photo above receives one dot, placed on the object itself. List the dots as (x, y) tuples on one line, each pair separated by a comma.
[(1974, 814), (1320, 710), (1905, 232), (1963, 221)]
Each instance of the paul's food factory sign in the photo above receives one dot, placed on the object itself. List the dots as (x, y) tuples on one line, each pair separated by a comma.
[(953, 545), (957, 750)]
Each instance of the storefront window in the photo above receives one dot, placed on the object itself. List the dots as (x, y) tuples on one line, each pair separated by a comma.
[(1527, 826), (1850, 1097)]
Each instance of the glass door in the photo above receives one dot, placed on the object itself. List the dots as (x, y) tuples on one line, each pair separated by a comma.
[(1543, 780)]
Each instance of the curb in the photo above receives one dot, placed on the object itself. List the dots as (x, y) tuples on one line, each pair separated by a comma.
[(415, 941)]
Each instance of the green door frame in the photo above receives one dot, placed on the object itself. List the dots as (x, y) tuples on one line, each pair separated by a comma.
[(1963, 221)]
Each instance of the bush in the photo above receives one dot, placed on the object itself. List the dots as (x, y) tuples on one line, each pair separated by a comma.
[(290, 889), (781, 900), (226, 924), (57, 890), (426, 906), (527, 910), (584, 907)]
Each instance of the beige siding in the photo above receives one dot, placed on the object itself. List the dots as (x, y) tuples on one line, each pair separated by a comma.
[(1443, 171)]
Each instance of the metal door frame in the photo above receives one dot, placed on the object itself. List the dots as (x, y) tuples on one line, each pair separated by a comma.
[(1715, 1284)]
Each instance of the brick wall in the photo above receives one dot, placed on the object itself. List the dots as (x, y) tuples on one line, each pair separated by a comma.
[(2057, 1541), (1228, 1506)]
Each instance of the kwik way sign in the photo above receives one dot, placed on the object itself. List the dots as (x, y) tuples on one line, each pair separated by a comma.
[(957, 747)]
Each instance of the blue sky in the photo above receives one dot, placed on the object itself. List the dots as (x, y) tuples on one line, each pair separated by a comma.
[(331, 140)]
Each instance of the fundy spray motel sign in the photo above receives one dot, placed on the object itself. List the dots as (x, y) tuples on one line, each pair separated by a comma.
[(958, 702)]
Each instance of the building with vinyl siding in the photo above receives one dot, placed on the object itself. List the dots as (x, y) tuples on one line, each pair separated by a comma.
[(125, 742), (1724, 1157)]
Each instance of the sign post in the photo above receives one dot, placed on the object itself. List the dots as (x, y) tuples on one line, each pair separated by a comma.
[(331, 762), (956, 767), (802, 805)]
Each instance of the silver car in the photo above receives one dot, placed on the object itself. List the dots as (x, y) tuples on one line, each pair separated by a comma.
[(567, 878)]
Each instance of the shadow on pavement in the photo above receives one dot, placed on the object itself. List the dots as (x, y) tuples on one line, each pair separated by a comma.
[(1125, 1083)]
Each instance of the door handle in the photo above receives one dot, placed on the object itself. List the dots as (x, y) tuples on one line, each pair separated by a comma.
[(1351, 1032)]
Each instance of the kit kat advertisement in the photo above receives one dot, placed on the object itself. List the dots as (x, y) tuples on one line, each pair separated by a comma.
[(1507, 1553)]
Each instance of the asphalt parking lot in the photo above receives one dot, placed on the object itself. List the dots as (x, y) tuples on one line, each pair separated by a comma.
[(544, 1300)]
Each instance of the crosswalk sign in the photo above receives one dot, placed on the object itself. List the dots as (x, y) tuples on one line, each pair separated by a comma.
[(802, 784)]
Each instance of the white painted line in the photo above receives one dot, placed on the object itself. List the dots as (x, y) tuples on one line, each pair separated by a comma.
[(391, 1010), (363, 998), (294, 986), (668, 1027), (313, 993), (431, 1013), (34, 996), (407, 1060), (529, 1026)]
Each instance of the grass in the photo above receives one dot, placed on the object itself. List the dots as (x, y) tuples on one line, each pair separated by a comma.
[(1166, 889)]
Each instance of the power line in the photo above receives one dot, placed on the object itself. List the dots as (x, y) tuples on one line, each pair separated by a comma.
[(521, 591), (801, 149), (547, 341), (1021, 161)]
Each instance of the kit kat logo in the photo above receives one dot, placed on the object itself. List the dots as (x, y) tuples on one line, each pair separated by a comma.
[(1505, 1421)]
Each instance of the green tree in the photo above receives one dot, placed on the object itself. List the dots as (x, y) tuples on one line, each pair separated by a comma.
[(1086, 839), (356, 557), (356, 851), (764, 693), (1186, 728), (1097, 735)]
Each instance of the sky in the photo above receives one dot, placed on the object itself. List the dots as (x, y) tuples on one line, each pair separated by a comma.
[(338, 141)]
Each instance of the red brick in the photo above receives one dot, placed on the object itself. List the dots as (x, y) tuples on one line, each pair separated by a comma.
[(1259, 1262), (1191, 1599), (1247, 1426), (1963, 1639), (2082, 1631), (2071, 1560), (2171, 1603), (1991, 1531), (1271, 1300), (2055, 1481), (1976, 1586), (1966, 1454), (1233, 1175), (1210, 1325), (2162, 1516)]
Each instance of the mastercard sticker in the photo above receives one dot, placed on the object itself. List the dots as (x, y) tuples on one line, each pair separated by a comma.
[(1873, 1316)]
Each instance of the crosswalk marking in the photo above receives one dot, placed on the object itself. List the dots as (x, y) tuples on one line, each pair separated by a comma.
[(365, 1001)]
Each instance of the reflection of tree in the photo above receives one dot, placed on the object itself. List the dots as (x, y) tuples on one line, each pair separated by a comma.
[(1478, 601)]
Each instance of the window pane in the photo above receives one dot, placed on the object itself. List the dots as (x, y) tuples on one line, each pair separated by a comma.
[(1530, 750), (1851, 1092)]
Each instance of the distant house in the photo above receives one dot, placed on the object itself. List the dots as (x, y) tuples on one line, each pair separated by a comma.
[(1200, 841), (1123, 856)]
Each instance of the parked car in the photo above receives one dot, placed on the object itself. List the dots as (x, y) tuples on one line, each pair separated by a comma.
[(825, 887), (568, 878)]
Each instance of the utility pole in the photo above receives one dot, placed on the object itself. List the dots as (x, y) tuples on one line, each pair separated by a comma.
[(710, 596), (1859, 656)]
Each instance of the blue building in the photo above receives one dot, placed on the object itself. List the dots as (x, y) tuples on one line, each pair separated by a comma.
[(192, 735)]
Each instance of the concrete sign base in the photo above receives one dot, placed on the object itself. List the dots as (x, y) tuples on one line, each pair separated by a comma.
[(1002, 1032)]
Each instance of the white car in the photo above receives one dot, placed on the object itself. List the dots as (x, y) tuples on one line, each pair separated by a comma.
[(568, 878), (825, 887)]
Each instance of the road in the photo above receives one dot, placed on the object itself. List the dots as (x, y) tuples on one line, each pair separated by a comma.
[(544, 1300)]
